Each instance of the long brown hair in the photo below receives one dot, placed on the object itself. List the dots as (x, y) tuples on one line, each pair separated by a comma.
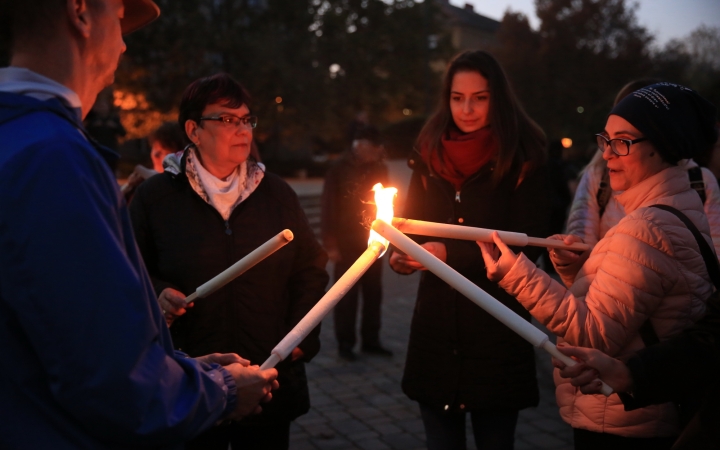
[(520, 140)]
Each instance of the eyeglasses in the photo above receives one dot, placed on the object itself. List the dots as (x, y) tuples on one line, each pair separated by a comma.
[(620, 147), (235, 121)]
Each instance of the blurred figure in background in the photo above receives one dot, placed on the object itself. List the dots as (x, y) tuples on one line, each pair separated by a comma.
[(595, 209), (167, 139), (103, 121), (347, 204)]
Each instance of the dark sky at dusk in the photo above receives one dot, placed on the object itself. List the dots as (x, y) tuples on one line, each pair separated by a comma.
[(666, 19)]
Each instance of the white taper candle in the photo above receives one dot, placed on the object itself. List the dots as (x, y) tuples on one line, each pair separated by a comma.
[(448, 231), (324, 305), (274, 244)]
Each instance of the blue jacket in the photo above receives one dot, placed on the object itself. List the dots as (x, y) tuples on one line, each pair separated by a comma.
[(86, 360)]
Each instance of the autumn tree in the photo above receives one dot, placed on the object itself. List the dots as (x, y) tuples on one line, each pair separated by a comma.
[(568, 71), (309, 64)]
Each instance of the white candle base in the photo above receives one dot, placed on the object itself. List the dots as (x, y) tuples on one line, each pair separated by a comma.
[(271, 362)]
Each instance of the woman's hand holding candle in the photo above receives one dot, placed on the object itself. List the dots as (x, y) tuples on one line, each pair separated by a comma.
[(498, 257), (593, 364), (567, 263), (172, 303), (406, 264)]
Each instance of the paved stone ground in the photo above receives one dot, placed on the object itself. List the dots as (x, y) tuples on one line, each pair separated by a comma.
[(360, 405)]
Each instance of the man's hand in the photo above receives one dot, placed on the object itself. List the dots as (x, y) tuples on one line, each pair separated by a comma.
[(224, 359), (296, 354), (253, 387), (173, 304), (498, 258), (406, 264), (592, 366)]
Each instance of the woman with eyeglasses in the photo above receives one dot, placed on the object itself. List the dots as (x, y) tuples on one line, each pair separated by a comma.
[(595, 208), (212, 206), (645, 280)]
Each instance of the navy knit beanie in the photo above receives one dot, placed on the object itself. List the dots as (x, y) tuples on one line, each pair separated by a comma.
[(678, 121)]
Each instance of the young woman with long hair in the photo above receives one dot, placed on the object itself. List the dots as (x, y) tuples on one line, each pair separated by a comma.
[(479, 162)]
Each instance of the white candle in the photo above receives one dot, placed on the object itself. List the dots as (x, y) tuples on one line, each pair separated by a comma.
[(444, 230), (313, 318), (446, 273), (268, 248)]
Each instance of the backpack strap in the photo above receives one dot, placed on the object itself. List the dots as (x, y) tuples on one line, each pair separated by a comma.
[(647, 331), (707, 252), (697, 183), (604, 192)]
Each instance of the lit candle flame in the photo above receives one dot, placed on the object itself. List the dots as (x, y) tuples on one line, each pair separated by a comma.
[(384, 198)]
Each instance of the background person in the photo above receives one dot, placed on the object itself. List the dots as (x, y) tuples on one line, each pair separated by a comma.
[(683, 367), (480, 164), (167, 139), (86, 359), (645, 280), (212, 206), (347, 204)]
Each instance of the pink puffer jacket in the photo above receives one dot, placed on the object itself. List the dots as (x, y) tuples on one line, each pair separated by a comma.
[(647, 266)]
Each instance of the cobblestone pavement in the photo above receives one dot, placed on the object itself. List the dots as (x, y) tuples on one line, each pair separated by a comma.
[(359, 405)]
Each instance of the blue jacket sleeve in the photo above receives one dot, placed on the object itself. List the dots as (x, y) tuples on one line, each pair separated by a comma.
[(73, 278)]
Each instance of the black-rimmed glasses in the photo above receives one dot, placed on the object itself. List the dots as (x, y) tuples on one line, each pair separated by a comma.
[(235, 121), (619, 146)]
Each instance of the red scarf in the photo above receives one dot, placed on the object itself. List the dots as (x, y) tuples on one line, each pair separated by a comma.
[(463, 154)]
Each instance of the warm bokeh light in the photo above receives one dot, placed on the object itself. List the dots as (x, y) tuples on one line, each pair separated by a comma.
[(566, 142), (278, 100), (384, 198)]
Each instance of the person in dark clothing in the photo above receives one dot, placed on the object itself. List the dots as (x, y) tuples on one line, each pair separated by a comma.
[(209, 208), (86, 360), (683, 367), (347, 204), (480, 163), (103, 121)]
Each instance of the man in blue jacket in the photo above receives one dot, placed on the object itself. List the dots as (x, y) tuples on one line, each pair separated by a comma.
[(86, 360)]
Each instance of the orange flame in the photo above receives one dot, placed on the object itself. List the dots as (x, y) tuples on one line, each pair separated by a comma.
[(384, 198)]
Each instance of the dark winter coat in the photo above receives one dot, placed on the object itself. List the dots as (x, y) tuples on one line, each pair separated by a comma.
[(459, 357), (185, 242), (684, 370)]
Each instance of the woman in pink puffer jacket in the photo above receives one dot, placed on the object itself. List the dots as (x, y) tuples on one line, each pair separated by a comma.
[(647, 269)]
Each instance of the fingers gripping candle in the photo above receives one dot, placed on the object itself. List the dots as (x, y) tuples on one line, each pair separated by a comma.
[(377, 245)]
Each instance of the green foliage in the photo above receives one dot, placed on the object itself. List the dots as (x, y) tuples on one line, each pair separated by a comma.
[(326, 59)]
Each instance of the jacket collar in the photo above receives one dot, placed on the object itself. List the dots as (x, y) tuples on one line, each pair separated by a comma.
[(13, 106), (666, 183), (18, 80)]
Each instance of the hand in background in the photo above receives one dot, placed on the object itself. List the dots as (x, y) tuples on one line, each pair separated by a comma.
[(567, 263), (406, 264), (173, 304), (498, 258)]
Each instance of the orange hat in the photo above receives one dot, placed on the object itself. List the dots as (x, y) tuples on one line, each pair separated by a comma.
[(138, 13)]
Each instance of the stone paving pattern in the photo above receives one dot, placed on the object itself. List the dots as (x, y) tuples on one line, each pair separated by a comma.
[(359, 405)]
